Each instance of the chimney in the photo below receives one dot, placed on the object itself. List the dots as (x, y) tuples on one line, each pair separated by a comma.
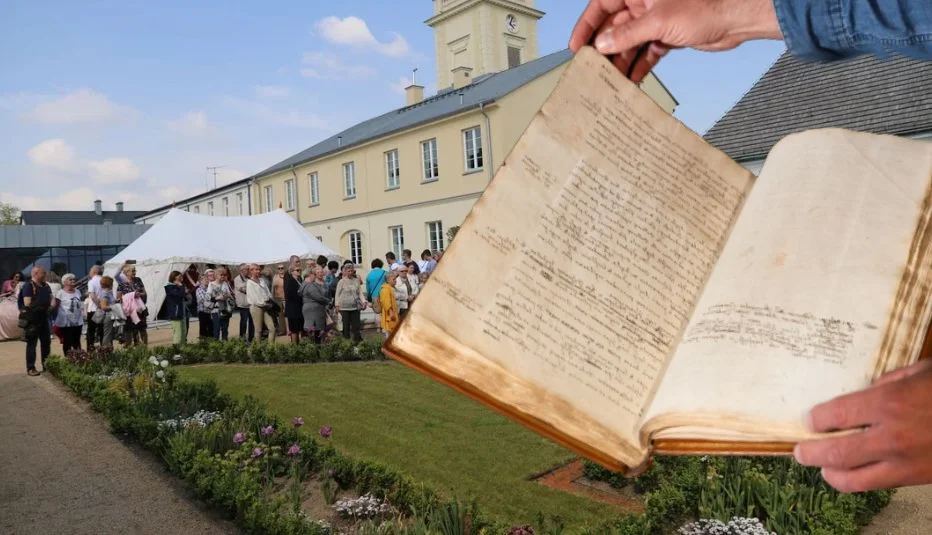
[(414, 93), (98, 207), (339, 141), (119, 206), (462, 76)]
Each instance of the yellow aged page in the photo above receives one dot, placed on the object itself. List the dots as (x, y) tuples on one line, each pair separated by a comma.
[(796, 310), (578, 268)]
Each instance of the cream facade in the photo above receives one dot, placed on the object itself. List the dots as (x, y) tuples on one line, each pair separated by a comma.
[(406, 187), (227, 201)]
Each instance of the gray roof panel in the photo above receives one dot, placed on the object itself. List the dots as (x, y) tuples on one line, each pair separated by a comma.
[(484, 88), (75, 217), (886, 96)]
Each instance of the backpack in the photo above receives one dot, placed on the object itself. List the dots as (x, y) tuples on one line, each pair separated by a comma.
[(376, 305)]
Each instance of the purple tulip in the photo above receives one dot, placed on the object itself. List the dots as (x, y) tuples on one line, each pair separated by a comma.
[(294, 450), (267, 431), (326, 431), (297, 421), (239, 438), (257, 453)]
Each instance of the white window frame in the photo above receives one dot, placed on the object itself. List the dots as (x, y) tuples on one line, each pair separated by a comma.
[(290, 200), (197, 209), (210, 208), (313, 188), (355, 246), (392, 170), (435, 242), (226, 206), (349, 180), (396, 236), (239, 203), (430, 162), (476, 162), (269, 198)]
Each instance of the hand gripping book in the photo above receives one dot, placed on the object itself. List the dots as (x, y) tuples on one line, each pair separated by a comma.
[(624, 288)]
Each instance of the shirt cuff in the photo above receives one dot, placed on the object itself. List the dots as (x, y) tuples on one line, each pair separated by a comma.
[(813, 29)]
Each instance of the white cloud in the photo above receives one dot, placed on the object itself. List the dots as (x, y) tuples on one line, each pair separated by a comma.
[(227, 175), (272, 91), (327, 66), (354, 31), (193, 123), (77, 107), (263, 113), (53, 153), (114, 171)]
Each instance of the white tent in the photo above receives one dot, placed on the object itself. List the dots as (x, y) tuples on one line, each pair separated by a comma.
[(181, 238)]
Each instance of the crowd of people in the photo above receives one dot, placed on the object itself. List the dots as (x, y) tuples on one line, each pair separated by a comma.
[(312, 300)]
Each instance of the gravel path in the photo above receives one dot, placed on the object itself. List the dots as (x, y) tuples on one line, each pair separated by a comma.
[(64, 473)]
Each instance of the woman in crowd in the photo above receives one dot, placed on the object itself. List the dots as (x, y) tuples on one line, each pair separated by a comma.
[(389, 304), (205, 305), (402, 290), (278, 295), (175, 309), (9, 286), (315, 299), (348, 303), (222, 303), (69, 316), (104, 316), (192, 279), (293, 304), (133, 333)]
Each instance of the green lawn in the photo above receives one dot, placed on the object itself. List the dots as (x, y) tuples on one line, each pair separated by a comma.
[(388, 413)]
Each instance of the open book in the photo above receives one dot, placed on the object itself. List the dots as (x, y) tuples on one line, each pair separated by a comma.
[(624, 288)]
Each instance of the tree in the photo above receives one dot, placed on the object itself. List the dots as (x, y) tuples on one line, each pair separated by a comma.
[(451, 233), (9, 214)]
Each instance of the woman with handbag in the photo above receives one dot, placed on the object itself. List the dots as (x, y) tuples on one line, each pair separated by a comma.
[(348, 304), (293, 303), (222, 302), (133, 333), (69, 317), (315, 299)]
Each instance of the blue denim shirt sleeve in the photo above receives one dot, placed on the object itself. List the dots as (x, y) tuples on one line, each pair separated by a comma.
[(834, 29)]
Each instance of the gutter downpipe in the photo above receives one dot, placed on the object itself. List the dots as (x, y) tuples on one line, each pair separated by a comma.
[(297, 205), (252, 182), (488, 129)]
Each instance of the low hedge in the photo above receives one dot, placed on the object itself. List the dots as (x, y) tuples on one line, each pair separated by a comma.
[(305, 352)]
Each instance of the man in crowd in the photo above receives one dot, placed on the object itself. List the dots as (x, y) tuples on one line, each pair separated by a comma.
[(246, 326), (892, 419), (259, 298), (35, 299), (391, 261), (427, 263), (93, 293)]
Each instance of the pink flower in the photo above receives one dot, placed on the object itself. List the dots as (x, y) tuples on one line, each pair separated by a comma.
[(257, 453), (294, 450), (239, 438), (297, 421), (267, 431), (326, 431)]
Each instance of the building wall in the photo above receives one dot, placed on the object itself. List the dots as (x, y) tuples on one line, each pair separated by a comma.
[(202, 205)]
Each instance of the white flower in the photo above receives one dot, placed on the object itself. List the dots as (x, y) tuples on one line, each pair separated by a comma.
[(163, 364), (176, 358), (153, 361), (160, 374)]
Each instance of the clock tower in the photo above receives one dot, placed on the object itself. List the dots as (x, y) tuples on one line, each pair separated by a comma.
[(476, 37)]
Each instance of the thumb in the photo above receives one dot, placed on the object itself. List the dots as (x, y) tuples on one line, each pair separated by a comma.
[(630, 35), (903, 373)]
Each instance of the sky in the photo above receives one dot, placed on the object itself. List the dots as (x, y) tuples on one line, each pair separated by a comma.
[(132, 101)]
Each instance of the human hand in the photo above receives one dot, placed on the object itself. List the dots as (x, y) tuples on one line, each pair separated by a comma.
[(893, 448), (623, 27)]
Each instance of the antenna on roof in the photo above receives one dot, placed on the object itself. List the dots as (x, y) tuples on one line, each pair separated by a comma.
[(414, 76), (214, 171)]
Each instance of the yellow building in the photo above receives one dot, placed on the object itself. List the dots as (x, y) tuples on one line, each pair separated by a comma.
[(401, 180)]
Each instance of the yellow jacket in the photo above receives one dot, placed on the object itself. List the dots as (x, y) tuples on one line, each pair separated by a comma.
[(390, 317)]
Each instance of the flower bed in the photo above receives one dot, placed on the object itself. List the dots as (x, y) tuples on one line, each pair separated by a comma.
[(238, 351), (272, 477)]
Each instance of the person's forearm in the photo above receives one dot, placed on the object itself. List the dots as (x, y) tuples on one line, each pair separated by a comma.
[(835, 29)]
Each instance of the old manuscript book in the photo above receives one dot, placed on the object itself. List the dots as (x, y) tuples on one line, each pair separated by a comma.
[(624, 288)]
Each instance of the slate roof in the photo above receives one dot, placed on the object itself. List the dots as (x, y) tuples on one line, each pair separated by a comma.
[(483, 89), (891, 96), (75, 217)]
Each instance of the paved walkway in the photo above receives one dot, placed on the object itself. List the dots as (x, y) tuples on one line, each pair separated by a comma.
[(63, 472)]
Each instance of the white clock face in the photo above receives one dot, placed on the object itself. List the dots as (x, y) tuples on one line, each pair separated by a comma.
[(511, 23)]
